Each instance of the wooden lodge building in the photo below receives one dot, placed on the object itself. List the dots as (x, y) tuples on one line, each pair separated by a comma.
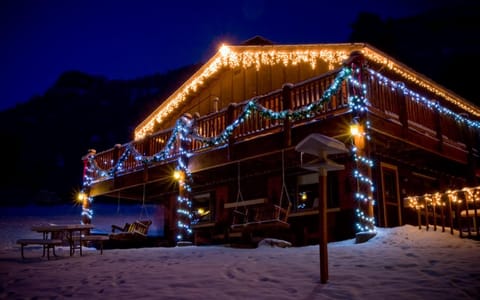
[(266, 138)]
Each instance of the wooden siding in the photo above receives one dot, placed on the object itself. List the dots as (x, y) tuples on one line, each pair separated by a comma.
[(237, 85)]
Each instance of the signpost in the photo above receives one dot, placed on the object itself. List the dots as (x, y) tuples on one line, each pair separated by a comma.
[(321, 146)]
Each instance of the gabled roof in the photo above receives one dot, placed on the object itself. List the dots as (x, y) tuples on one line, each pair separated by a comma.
[(266, 54), (257, 40)]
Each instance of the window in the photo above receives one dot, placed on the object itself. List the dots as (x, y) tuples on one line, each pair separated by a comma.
[(333, 194), (307, 192), (307, 196), (203, 208)]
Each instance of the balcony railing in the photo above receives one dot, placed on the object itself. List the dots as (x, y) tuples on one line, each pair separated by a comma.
[(394, 104), (454, 209)]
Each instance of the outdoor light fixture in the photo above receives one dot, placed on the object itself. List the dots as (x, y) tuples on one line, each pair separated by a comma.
[(178, 175), (81, 196), (224, 50), (304, 196), (357, 132), (355, 129)]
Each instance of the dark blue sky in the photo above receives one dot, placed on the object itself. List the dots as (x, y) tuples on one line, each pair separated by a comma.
[(124, 39)]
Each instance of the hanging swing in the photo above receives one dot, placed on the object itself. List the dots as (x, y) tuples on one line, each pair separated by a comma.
[(139, 228), (240, 211), (143, 207), (259, 214)]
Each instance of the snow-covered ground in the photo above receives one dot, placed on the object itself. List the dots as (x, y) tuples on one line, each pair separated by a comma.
[(398, 263)]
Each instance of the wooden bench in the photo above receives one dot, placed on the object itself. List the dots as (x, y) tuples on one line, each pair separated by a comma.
[(46, 243), (258, 213), (251, 202), (96, 238)]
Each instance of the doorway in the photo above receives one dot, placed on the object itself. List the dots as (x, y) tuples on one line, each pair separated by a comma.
[(392, 210)]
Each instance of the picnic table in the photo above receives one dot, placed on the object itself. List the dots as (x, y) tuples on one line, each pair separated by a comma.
[(52, 233)]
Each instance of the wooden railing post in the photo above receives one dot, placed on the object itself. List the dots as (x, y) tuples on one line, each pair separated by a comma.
[(116, 157), (426, 213), (403, 113), (287, 104), (450, 212), (147, 142), (231, 139), (469, 137), (86, 163), (116, 153), (438, 128)]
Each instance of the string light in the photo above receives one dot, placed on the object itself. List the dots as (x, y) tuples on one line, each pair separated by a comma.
[(228, 57), (410, 76), (470, 195), (431, 104), (258, 56), (244, 57), (183, 130)]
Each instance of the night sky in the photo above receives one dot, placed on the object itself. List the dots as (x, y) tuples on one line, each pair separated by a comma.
[(125, 39)]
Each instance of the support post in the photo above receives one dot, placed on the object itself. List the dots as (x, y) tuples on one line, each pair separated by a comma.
[(85, 194), (322, 146), (322, 216)]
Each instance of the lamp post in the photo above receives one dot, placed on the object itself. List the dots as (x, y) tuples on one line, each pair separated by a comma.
[(321, 146)]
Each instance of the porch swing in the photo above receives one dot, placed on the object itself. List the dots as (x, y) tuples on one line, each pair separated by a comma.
[(260, 214), (137, 229)]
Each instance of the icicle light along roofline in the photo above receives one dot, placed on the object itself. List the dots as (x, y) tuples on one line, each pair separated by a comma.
[(245, 57), (420, 80), (257, 56)]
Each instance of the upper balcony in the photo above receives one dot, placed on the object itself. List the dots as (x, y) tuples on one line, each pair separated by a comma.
[(397, 113)]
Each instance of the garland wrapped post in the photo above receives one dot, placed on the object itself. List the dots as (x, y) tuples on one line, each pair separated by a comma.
[(184, 177), (359, 130), (84, 195)]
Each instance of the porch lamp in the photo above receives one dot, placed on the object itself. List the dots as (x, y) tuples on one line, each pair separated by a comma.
[(81, 197), (354, 129), (358, 133), (178, 175)]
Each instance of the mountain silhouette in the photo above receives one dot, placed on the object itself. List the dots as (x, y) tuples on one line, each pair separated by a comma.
[(44, 139)]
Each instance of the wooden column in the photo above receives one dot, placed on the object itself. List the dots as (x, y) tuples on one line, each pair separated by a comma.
[(86, 205), (360, 119), (181, 194)]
